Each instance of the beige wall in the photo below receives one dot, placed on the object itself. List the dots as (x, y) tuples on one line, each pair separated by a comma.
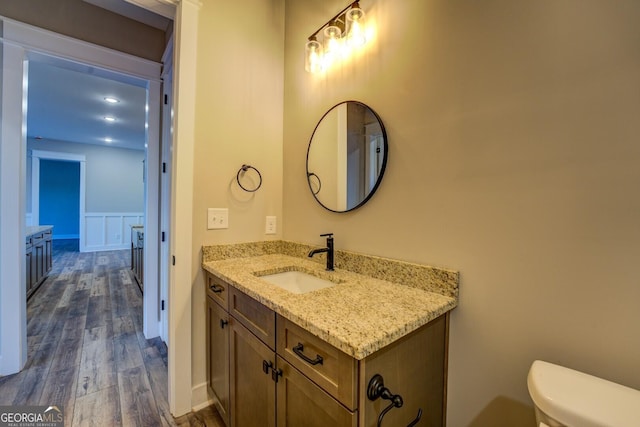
[(513, 136), (84, 21), (238, 121), (105, 190)]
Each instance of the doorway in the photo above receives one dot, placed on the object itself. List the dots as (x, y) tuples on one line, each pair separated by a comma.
[(60, 197), (67, 187), (21, 45)]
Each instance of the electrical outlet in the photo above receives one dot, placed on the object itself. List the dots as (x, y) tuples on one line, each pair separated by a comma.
[(217, 218), (270, 225)]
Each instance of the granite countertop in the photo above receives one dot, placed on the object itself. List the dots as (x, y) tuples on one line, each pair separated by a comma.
[(359, 315), (35, 229)]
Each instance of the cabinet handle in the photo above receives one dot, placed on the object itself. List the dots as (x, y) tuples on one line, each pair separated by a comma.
[(217, 289), (299, 349), (266, 366), (223, 322), (275, 373)]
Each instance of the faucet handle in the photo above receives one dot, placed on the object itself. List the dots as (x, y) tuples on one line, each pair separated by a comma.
[(329, 237)]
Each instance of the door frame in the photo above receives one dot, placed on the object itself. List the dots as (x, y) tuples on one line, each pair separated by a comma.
[(12, 204), (36, 157), (20, 44), (166, 159)]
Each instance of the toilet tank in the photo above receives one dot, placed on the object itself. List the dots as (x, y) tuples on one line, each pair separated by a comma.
[(576, 399)]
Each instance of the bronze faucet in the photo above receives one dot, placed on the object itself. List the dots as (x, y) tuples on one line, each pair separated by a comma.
[(328, 250)]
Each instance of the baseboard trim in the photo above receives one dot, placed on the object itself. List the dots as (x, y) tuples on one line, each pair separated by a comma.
[(105, 248), (65, 236), (203, 405), (200, 398)]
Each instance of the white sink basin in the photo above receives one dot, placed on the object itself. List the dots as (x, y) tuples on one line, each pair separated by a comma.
[(297, 282)]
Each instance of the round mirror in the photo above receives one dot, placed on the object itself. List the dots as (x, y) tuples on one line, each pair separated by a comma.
[(346, 157)]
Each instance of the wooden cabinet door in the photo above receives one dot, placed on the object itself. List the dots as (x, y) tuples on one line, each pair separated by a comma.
[(302, 403), (48, 254), (34, 268), (253, 390), (218, 356), (38, 255), (29, 268)]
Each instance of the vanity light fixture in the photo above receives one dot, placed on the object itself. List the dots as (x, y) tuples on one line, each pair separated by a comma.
[(340, 35), (313, 56), (333, 44)]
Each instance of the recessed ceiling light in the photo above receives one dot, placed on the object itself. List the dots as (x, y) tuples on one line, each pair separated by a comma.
[(109, 119), (107, 139), (111, 100)]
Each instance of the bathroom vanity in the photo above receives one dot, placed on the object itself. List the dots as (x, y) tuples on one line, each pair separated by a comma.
[(339, 355)]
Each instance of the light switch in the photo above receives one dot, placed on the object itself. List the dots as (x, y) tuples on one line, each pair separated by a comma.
[(217, 218), (270, 225)]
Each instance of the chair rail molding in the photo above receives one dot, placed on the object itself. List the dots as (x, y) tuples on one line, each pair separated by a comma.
[(108, 231)]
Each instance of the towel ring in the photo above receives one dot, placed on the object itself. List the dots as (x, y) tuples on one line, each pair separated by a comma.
[(376, 389), (242, 170), (309, 175)]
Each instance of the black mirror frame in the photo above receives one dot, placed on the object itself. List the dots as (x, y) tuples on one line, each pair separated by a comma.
[(382, 168)]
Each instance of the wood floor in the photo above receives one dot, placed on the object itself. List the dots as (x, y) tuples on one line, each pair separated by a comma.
[(87, 352)]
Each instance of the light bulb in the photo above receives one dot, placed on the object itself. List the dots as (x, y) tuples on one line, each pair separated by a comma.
[(332, 44), (355, 21), (313, 56)]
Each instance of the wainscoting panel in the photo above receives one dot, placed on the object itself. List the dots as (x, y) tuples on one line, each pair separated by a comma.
[(108, 231)]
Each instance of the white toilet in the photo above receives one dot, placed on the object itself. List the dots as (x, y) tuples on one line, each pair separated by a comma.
[(564, 397)]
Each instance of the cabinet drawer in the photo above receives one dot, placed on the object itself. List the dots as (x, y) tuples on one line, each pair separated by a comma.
[(300, 402), (218, 290), (254, 316), (330, 368)]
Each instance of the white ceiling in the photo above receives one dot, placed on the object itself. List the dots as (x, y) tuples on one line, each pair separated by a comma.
[(69, 105), (66, 101)]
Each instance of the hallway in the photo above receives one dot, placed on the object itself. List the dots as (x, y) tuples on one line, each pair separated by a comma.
[(86, 349)]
